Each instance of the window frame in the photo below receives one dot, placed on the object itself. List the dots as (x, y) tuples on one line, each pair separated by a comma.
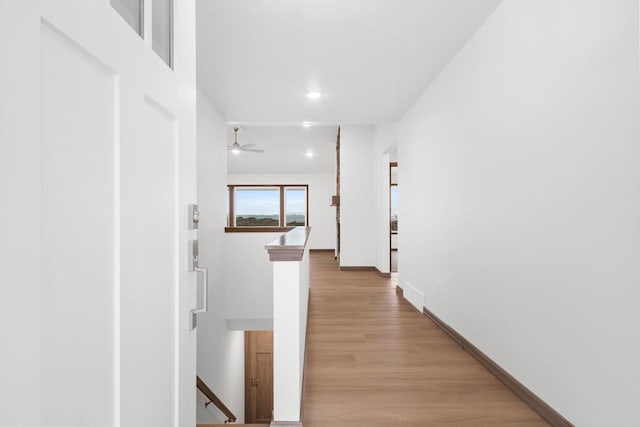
[(231, 214)]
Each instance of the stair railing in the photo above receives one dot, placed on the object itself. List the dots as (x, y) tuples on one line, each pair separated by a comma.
[(213, 399)]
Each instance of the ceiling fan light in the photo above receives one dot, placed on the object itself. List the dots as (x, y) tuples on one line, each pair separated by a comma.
[(235, 151), (306, 124)]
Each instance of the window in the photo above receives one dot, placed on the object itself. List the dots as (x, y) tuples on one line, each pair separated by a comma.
[(162, 30), (257, 207), (267, 207), (131, 12), (295, 202)]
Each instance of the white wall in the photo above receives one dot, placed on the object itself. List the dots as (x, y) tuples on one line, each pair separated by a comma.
[(220, 351), (322, 216), (249, 290), (520, 185), (357, 205)]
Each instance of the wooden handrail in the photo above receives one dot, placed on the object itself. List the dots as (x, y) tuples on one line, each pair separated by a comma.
[(215, 400)]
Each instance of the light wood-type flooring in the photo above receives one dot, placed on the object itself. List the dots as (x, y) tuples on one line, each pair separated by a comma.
[(373, 360)]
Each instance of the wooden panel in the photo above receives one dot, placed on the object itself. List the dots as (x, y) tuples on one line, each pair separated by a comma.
[(257, 229), (258, 365), (231, 221), (264, 389), (358, 268)]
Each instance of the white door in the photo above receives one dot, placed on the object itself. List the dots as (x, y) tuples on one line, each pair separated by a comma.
[(97, 170)]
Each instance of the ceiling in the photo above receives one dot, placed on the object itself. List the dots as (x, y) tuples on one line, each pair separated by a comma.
[(370, 59), (285, 149)]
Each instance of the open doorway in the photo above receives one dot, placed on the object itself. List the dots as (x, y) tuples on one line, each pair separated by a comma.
[(393, 216)]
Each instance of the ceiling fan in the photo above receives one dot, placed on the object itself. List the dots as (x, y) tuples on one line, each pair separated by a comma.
[(236, 148)]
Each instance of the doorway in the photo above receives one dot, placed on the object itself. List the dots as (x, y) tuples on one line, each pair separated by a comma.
[(393, 216), (258, 359)]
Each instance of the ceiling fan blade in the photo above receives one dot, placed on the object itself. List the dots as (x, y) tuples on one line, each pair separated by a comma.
[(248, 145), (252, 150)]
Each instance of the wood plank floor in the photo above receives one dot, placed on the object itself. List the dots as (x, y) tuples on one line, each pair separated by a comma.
[(373, 360)]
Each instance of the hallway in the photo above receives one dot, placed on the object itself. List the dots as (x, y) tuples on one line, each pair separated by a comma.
[(373, 360)]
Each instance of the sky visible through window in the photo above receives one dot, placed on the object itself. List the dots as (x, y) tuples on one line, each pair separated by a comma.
[(257, 202), (295, 206), (296, 201)]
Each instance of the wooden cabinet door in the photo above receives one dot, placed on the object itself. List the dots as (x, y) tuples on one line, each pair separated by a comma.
[(258, 376)]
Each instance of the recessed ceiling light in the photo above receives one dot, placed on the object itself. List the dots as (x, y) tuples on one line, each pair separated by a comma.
[(309, 154), (314, 95), (306, 124)]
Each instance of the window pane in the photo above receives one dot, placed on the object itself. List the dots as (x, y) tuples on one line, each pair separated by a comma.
[(295, 206), (161, 31), (131, 11), (394, 174), (394, 208), (257, 207)]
